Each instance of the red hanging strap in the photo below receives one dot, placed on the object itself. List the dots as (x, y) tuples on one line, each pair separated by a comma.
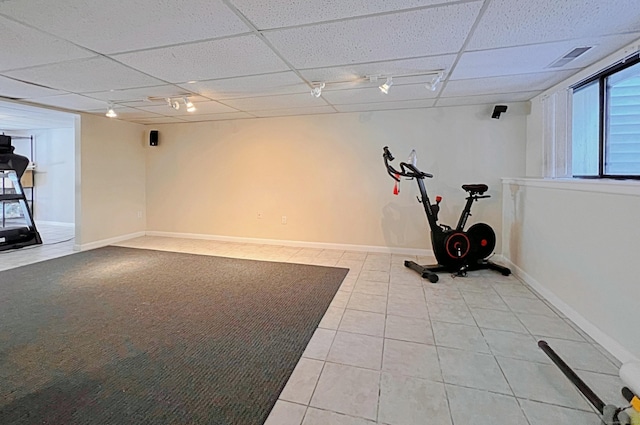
[(396, 187)]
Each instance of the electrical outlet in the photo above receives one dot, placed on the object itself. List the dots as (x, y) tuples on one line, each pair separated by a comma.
[(259, 215), (139, 214), (284, 219)]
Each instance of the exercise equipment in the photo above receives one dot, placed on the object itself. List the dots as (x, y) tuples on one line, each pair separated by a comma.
[(609, 414), (456, 250), (12, 167)]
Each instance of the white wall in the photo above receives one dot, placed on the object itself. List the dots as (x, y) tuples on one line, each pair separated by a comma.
[(110, 180), (577, 240), (325, 173), (54, 157)]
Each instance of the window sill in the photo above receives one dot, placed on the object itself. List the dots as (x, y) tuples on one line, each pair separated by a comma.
[(609, 186)]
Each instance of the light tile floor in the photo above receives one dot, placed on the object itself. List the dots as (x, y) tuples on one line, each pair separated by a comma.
[(394, 349)]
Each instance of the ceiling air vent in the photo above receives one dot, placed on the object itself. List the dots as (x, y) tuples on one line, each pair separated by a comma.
[(578, 51)]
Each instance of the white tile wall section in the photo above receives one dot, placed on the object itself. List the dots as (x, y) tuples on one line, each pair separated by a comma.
[(286, 13), (360, 40), (108, 27), (206, 60), (86, 75), (250, 86), (43, 49), (550, 20), (246, 49)]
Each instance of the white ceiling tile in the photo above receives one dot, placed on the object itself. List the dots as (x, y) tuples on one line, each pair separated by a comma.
[(127, 113), (140, 94), (505, 84), (209, 107), (19, 90), (161, 100), (108, 28), (251, 86), (426, 32), (15, 116), (312, 110), (487, 99), (230, 57), (76, 102), (17, 40), (284, 13), (385, 106), (534, 58), (372, 93), (393, 68), (86, 75), (514, 22), (300, 100), (217, 117)]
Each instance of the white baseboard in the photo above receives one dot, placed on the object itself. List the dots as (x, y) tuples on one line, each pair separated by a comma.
[(55, 223), (608, 343), (105, 242), (297, 244)]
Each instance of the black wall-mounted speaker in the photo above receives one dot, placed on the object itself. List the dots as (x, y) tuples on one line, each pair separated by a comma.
[(153, 138), (497, 110)]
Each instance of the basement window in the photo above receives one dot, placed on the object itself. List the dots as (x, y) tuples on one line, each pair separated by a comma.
[(606, 123)]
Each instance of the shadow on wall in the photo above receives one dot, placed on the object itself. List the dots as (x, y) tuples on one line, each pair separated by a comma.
[(396, 224)]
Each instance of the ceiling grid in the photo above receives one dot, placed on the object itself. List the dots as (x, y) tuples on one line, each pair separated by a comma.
[(237, 59)]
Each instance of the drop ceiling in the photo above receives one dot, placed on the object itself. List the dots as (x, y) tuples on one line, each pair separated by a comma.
[(240, 59)]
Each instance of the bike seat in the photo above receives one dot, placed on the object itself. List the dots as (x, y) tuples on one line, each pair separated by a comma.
[(475, 188)]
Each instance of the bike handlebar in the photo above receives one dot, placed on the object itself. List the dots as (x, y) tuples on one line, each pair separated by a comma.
[(407, 170)]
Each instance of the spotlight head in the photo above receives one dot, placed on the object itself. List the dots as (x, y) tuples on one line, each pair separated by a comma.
[(433, 84), (386, 86), (316, 91), (497, 110), (110, 112), (188, 104)]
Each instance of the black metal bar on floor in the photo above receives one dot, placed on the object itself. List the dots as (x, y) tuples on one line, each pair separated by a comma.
[(571, 375)]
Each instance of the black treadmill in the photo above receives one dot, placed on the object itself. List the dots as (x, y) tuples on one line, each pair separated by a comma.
[(12, 167)]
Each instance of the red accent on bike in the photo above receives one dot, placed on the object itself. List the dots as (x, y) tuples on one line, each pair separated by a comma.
[(438, 198), (484, 242)]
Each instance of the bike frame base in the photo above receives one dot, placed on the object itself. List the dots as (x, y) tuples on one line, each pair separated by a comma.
[(429, 271)]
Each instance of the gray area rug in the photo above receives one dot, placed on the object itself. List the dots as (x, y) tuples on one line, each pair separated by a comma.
[(130, 336)]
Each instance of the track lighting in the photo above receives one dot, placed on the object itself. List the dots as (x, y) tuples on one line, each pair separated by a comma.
[(386, 86), (173, 103), (433, 84), (188, 104), (111, 113), (316, 91)]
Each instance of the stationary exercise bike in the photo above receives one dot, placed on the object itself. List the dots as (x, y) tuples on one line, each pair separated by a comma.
[(457, 250)]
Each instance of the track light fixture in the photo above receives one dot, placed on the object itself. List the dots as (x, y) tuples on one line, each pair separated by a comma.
[(433, 84), (316, 91), (386, 86), (188, 104), (110, 112), (173, 103)]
